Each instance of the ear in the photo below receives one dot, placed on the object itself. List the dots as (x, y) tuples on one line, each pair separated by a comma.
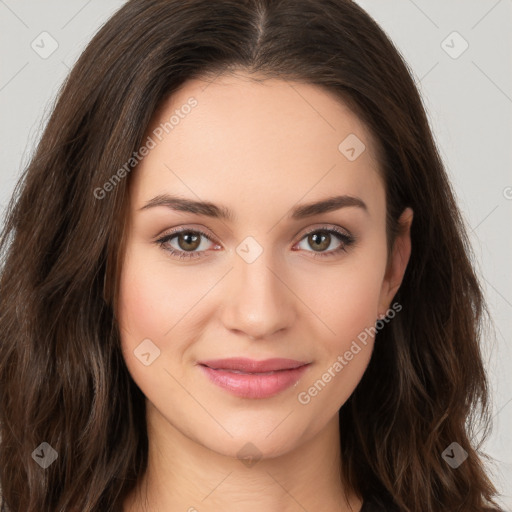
[(397, 264)]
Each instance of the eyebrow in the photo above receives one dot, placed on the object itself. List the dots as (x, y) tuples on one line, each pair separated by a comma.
[(222, 212)]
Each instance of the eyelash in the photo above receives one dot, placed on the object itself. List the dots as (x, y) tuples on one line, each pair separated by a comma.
[(347, 240)]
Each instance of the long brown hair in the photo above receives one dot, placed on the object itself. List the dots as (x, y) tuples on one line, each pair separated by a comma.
[(63, 379)]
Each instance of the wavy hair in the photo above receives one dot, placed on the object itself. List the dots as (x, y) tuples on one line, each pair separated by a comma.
[(63, 379)]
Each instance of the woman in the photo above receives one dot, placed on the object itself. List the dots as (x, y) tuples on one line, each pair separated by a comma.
[(235, 277)]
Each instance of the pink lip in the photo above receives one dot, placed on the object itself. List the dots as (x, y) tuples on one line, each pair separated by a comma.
[(259, 379)]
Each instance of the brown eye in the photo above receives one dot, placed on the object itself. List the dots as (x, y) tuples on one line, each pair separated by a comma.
[(188, 241), (320, 240), (185, 244)]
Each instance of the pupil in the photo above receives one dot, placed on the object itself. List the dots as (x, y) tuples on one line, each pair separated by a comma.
[(189, 241), (319, 243)]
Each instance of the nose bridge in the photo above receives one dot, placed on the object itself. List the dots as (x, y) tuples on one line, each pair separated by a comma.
[(259, 303)]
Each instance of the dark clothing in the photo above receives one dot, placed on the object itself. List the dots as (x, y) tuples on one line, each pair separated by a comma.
[(370, 505)]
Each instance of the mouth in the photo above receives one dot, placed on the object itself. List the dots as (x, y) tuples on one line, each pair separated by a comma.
[(248, 378)]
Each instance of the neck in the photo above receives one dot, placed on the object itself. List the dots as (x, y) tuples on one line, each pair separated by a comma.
[(185, 475)]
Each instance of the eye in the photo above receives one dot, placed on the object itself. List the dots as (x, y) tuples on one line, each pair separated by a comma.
[(187, 242), (322, 238)]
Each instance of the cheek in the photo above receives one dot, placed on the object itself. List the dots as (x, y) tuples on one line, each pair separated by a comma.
[(348, 308), (150, 304), (346, 298), (141, 310), (148, 309), (161, 306)]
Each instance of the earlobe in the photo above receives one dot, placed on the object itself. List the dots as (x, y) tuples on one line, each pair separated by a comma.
[(398, 262)]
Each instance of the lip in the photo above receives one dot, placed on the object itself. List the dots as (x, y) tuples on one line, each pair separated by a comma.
[(249, 378)]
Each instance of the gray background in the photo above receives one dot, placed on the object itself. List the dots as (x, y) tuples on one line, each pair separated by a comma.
[(468, 96)]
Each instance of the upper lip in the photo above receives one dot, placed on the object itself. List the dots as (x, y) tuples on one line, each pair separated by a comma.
[(253, 366)]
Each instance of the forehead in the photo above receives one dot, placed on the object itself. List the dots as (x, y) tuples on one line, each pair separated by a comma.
[(236, 138)]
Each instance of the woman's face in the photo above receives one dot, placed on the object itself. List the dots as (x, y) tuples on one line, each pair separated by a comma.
[(256, 273)]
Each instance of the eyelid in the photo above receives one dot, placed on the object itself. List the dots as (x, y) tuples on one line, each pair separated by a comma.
[(328, 227), (203, 230), (207, 232), (344, 236)]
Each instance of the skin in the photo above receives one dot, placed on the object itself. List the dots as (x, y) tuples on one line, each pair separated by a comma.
[(259, 149)]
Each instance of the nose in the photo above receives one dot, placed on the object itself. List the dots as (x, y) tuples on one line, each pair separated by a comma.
[(258, 301)]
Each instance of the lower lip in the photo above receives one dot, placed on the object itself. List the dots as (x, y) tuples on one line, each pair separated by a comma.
[(254, 385)]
